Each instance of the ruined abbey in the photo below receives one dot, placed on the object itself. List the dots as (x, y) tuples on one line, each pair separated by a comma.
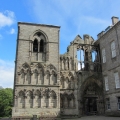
[(83, 81)]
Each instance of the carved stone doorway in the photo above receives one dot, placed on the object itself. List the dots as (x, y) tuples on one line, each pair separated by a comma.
[(90, 105)]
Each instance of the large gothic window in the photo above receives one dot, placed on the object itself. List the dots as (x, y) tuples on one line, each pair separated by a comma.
[(38, 45), (35, 45)]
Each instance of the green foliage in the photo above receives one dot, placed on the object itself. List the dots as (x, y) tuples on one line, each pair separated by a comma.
[(6, 99)]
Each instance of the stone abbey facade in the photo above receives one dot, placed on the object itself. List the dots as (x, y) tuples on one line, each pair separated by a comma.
[(83, 81)]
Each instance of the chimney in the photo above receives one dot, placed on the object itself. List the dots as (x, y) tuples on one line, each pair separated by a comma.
[(114, 20)]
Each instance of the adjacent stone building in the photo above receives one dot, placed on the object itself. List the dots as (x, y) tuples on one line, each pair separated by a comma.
[(83, 81)]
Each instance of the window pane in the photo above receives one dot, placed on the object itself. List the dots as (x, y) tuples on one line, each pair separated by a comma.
[(117, 81), (113, 53), (113, 50), (106, 83), (113, 45)]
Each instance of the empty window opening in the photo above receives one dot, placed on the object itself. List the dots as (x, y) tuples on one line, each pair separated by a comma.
[(41, 46), (35, 46), (80, 58), (94, 56)]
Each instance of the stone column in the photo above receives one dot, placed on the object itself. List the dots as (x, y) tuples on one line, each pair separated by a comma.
[(70, 64), (38, 51), (66, 65), (39, 79), (32, 50), (32, 78), (16, 101), (25, 78), (62, 64)]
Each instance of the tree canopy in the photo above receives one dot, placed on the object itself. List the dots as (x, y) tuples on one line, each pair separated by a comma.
[(6, 99)]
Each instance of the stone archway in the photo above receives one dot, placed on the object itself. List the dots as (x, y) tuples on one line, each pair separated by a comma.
[(91, 97)]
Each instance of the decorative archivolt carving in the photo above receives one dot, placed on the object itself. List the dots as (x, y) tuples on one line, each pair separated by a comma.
[(24, 69), (40, 34), (46, 92), (51, 67), (35, 71), (21, 93), (29, 94), (66, 95), (47, 72), (68, 75), (37, 93), (26, 66), (64, 58), (51, 72), (53, 94), (36, 68), (38, 72), (39, 65)]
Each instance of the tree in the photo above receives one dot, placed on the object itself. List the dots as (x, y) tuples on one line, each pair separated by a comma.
[(6, 99)]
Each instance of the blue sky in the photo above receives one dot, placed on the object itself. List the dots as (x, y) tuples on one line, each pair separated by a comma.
[(74, 16)]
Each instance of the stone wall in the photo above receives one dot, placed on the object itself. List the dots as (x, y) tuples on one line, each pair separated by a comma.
[(111, 66)]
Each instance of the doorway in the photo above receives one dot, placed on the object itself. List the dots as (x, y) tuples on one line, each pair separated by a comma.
[(91, 105)]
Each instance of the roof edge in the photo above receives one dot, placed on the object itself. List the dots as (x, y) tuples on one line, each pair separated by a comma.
[(45, 25)]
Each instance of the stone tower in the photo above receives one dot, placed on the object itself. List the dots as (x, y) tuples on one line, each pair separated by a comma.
[(36, 82)]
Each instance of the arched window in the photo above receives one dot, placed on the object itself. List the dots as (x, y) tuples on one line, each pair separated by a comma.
[(21, 99), (35, 46), (41, 46)]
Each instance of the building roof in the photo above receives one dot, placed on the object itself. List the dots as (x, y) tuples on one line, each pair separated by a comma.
[(26, 23)]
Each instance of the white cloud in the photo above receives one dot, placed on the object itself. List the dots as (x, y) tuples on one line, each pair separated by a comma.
[(6, 73), (7, 18), (12, 31)]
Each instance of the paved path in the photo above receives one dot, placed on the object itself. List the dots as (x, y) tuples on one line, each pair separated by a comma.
[(95, 118)]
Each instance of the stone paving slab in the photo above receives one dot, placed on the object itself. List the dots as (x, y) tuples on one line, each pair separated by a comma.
[(95, 118)]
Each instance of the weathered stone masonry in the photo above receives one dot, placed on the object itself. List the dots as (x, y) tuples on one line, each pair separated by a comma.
[(73, 84)]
